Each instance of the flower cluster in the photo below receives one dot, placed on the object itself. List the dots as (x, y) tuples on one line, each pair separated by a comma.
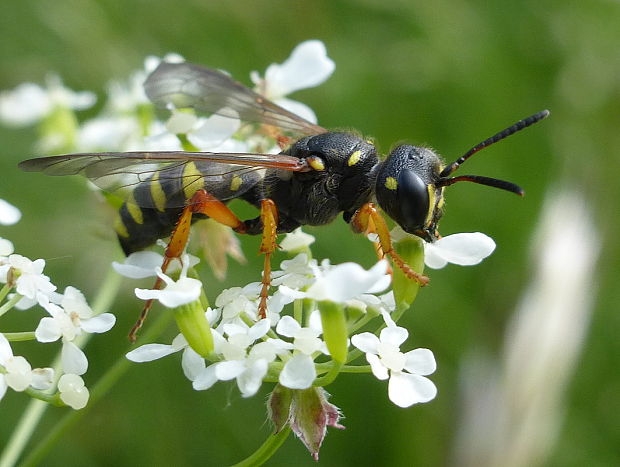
[(319, 317), (25, 285)]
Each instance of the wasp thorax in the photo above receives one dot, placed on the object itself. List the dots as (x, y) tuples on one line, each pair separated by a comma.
[(406, 189)]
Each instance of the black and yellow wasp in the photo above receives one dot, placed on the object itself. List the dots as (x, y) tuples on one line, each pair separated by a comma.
[(318, 176)]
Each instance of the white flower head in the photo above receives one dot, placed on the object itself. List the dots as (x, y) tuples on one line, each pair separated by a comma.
[(308, 66), (406, 371), (464, 249), (29, 103), (175, 293), (6, 249)]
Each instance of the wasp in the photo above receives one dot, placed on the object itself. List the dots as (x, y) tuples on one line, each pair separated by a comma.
[(318, 175)]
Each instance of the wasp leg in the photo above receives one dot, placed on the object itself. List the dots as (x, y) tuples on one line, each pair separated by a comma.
[(201, 203), (368, 220), (269, 219)]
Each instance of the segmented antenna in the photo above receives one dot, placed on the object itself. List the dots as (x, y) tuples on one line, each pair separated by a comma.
[(520, 125)]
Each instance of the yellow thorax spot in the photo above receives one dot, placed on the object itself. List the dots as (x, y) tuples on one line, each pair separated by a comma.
[(157, 193), (431, 204), (134, 210), (354, 158), (192, 180), (316, 163), (391, 183), (235, 182)]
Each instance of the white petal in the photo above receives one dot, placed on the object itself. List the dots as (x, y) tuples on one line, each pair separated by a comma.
[(405, 390), (298, 373), (72, 391), (150, 352), (181, 122), (139, 265), (5, 349), (420, 362), (19, 373), (347, 280), (298, 108), (6, 247), (3, 387), (366, 342), (228, 370), (465, 249), (296, 240), (48, 330), (24, 105), (73, 359), (9, 214), (308, 66), (288, 326), (192, 364), (213, 131), (99, 324), (250, 380), (259, 329), (42, 378), (205, 379), (393, 335), (380, 371)]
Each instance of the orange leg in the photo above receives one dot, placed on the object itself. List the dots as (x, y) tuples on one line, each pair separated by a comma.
[(203, 203), (368, 220), (269, 218)]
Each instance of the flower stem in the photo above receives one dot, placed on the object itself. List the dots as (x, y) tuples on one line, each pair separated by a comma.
[(19, 336), (268, 449), (10, 304)]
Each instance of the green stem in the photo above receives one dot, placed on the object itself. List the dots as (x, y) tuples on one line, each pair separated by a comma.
[(330, 376), (10, 304), (268, 449), (19, 336), (5, 291)]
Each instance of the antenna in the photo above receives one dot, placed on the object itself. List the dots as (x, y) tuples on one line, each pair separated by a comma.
[(520, 125)]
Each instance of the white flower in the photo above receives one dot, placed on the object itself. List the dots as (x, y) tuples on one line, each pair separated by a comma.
[(175, 293), (108, 132), (296, 240), (72, 391), (464, 249), (299, 372), (31, 282), (29, 103), (308, 66), (9, 214), (344, 282), (296, 273), (248, 367), (18, 372), (238, 300), (68, 321), (406, 371), (142, 264)]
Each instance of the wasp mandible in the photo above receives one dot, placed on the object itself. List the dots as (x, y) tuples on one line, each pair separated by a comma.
[(318, 175)]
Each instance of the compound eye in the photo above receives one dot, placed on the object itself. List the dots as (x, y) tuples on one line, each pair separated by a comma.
[(413, 200)]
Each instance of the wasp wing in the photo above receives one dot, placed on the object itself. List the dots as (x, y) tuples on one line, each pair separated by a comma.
[(183, 85), (167, 178)]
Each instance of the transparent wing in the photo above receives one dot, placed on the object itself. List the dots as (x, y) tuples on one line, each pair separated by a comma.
[(185, 85), (150, 177)]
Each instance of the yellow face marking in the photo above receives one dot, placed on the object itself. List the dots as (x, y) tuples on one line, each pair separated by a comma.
[(391, 183), (316, 163), (157, 193), (192, 180), (431, 204), (369, 141), (235, 182), (120, 228), (354, 158), (134, 210)]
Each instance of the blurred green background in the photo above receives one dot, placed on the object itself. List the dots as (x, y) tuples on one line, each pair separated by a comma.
[(446, 74)]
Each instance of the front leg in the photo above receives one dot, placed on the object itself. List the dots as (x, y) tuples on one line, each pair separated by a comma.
[(367, 219)]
